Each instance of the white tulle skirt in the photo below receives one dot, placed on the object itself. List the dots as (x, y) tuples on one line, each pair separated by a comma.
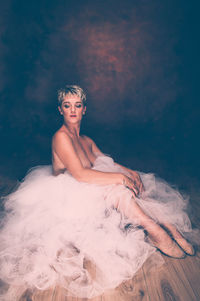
[(54, 224)]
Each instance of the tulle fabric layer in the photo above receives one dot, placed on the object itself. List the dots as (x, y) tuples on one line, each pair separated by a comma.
[(54, 225)]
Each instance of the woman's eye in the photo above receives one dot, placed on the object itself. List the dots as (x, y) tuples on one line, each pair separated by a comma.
[(79, 106), (66, 106)]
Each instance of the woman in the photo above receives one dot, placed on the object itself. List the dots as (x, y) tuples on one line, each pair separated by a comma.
[(85, 207)]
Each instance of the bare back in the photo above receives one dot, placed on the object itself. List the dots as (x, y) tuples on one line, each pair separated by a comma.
[(83, 148)]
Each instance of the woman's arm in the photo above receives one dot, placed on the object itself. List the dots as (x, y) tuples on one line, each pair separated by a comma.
[(63, 146), (135, 177)]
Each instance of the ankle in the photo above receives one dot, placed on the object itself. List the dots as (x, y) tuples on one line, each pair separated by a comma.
[(160, 237)]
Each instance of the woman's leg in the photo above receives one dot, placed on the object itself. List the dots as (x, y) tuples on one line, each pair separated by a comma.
[(179, 238), (159, 236)]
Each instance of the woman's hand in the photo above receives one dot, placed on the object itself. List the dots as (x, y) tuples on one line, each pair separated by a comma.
[(130, 184), (134, 183), (137, 180)]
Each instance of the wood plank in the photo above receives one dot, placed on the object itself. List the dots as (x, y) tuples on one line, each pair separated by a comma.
[(60, 295), (191, 270), (46, 295), (166, 283), (152, 279), (98, 298), (27, 296), (133, 289), (183, 287), (19, 293)]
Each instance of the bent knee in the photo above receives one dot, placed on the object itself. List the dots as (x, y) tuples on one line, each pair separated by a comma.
[(124, 206)]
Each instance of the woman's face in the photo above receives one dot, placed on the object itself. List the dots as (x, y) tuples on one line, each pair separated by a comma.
[(72, 109)]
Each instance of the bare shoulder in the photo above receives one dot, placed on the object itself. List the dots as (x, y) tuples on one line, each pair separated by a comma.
[(60, 136)]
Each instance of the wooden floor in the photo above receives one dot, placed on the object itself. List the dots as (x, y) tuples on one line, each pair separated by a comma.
[(175, 280)]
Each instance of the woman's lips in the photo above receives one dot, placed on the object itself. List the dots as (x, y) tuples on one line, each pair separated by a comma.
[(72, 115)]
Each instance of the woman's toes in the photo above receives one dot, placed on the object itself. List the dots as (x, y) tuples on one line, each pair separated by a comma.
[(186, 246), (167, 246), (171, 250)]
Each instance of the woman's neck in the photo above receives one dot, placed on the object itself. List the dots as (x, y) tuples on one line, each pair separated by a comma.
[(73, 129)]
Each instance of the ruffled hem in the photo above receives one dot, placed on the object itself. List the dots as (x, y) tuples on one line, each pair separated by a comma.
[(54, 225)]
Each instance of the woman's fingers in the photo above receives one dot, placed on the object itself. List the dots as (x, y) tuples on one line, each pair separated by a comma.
[(139, 182), (141, 187), (134, 191), (132, 185)]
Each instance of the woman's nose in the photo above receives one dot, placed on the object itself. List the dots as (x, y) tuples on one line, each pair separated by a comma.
[(73, 109)]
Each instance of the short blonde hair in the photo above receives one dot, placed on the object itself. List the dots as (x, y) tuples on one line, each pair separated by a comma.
[(73, 90)]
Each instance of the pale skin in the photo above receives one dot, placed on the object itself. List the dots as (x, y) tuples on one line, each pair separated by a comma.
[(77, 154)]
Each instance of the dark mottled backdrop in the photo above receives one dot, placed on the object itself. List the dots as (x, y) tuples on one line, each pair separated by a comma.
[(138, 60)]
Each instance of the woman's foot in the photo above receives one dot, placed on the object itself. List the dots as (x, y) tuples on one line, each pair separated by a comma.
[(158, 236), (163, 242), (171, 250), (186, 246), (181, 241)]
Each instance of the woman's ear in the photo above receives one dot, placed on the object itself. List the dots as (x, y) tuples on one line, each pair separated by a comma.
[(60, 110), (84, 110)]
